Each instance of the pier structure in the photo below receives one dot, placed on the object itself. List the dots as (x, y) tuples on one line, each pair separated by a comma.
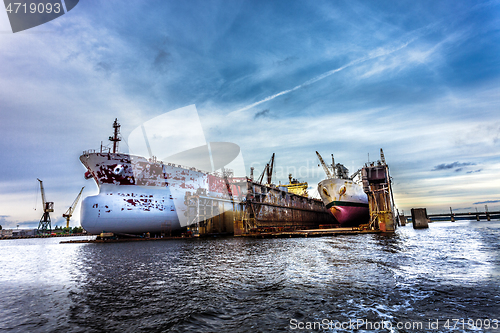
[(453, 216), (486, 215), (377, 186), (420, 218), (402, 219), (211, 215)]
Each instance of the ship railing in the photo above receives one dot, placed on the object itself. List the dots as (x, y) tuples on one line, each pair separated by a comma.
[(229, 172), (103, 150), (184, 167)]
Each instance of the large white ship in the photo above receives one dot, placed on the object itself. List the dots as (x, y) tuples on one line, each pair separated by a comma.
[(139, 194), (342, 196)]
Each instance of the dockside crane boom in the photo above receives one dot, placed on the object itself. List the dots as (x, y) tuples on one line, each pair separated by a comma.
[(325, 167), (268, 170), (48, 207), (42, 191), (71, 208), (261, 177), (355, 174)]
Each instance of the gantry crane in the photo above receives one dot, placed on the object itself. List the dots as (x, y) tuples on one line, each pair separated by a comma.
[(48, 207), (71, 208)]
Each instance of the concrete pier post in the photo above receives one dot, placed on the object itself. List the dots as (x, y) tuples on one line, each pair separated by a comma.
[(402, 220), (452, 215), (477, 217), (419, 217)]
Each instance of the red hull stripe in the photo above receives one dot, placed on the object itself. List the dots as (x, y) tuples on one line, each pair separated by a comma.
[(346, 203)]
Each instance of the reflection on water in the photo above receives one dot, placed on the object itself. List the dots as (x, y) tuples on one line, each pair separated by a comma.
[(450, 270)]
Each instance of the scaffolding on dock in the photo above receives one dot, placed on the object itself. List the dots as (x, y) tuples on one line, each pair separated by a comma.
[(377, 185), (263, 208)]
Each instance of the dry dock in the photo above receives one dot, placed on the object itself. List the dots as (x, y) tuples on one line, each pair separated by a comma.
[(269, 234), (262, 207), (311, 233)]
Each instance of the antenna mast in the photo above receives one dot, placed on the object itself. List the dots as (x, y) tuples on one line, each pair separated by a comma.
[(115, 138)]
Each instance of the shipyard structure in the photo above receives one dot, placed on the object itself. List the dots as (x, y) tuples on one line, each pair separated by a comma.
[(264, 208), (363, 200), (139, 195)]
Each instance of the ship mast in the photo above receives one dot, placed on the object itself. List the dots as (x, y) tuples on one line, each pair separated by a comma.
[(115, 138)]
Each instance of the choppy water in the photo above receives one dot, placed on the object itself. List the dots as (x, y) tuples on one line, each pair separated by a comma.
[(449, 271)]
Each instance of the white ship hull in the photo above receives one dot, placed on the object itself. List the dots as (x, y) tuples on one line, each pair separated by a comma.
[(137, 195), (345, 200)]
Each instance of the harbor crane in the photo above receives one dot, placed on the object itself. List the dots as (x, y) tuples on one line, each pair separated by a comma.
[(268, 170), (325, 167), (48, 207), (336, 170), (71, 208)]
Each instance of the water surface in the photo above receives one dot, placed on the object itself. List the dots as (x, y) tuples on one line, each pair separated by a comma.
[(449, 271)]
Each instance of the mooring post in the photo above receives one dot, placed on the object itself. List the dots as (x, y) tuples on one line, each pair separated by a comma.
[(487, 213), (452, 215), (419, 218), (402, 220)]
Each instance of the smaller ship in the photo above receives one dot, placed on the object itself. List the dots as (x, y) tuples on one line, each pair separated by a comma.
[(343, 196), (295, 187)]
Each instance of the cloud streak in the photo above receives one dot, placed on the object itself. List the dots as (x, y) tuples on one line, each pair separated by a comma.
[(379, 52), (453, 165), (486, 202), (263, 113)]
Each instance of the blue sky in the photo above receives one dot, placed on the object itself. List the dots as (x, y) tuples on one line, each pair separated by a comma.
[(420, 79)]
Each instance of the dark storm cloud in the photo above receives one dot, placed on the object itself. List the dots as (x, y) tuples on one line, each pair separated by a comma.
[(486, 202), (103, 66), (287, 61), (453, 165), (162, 60), (263, 114)]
